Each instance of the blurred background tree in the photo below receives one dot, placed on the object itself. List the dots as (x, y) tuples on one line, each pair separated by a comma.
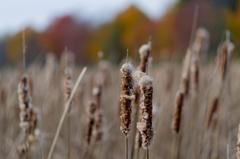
[(170, 33)]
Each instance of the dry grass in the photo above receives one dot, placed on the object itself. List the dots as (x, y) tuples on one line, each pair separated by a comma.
[(196, 141)]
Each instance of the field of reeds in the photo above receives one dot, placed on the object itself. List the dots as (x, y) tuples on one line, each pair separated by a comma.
[(165, 110)]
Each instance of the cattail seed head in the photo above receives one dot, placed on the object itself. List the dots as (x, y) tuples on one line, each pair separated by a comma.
[(185, 79), (145, 122), (195, 74), (212, 110), (201, 41), (25, 104), (224, 54), (91, 122), (179, 102), (67, 84), (97, 96), (126, 97), (144, 53)]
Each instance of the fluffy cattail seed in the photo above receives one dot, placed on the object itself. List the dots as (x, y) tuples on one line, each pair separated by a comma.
[(176, 122), (144, 52), (145, 122), (126, 97)]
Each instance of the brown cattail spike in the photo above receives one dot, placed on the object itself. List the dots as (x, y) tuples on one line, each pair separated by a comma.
[(25, 104), (195, 74), (144, 52), (176, 122), (28, 115), (97, 95), (126, 97), (91, 122), (67, 84), (212, 110), (185, 80), (145, 122)]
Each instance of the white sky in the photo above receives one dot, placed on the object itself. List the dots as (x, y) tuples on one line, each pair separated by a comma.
[(15, 14)]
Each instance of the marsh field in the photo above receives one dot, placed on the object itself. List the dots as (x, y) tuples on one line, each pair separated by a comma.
[(184, 110)]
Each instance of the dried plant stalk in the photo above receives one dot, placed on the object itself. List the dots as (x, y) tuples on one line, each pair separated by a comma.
[(145, 122), (238, 144), (179, 102)]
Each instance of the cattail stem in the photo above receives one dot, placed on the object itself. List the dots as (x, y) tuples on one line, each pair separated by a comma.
[(147, 153), (69, 135), (178, 139), (126, 147), (137, 155), (135, 118)]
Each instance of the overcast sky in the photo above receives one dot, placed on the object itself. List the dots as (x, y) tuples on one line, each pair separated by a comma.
[(15, 14)]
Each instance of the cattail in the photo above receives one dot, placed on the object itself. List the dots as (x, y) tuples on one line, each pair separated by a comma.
[(145, 122), (126, 98), (201, 41), (212, 110), (195, 74), (223, 59), (199, 46), (97, 93), (185, 80), (3, 96), (67, 84), (33, 131), (176, 122), (28, 115), (25, 104), (238, 144), (144, 52), (91, 122), (224, 52)]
